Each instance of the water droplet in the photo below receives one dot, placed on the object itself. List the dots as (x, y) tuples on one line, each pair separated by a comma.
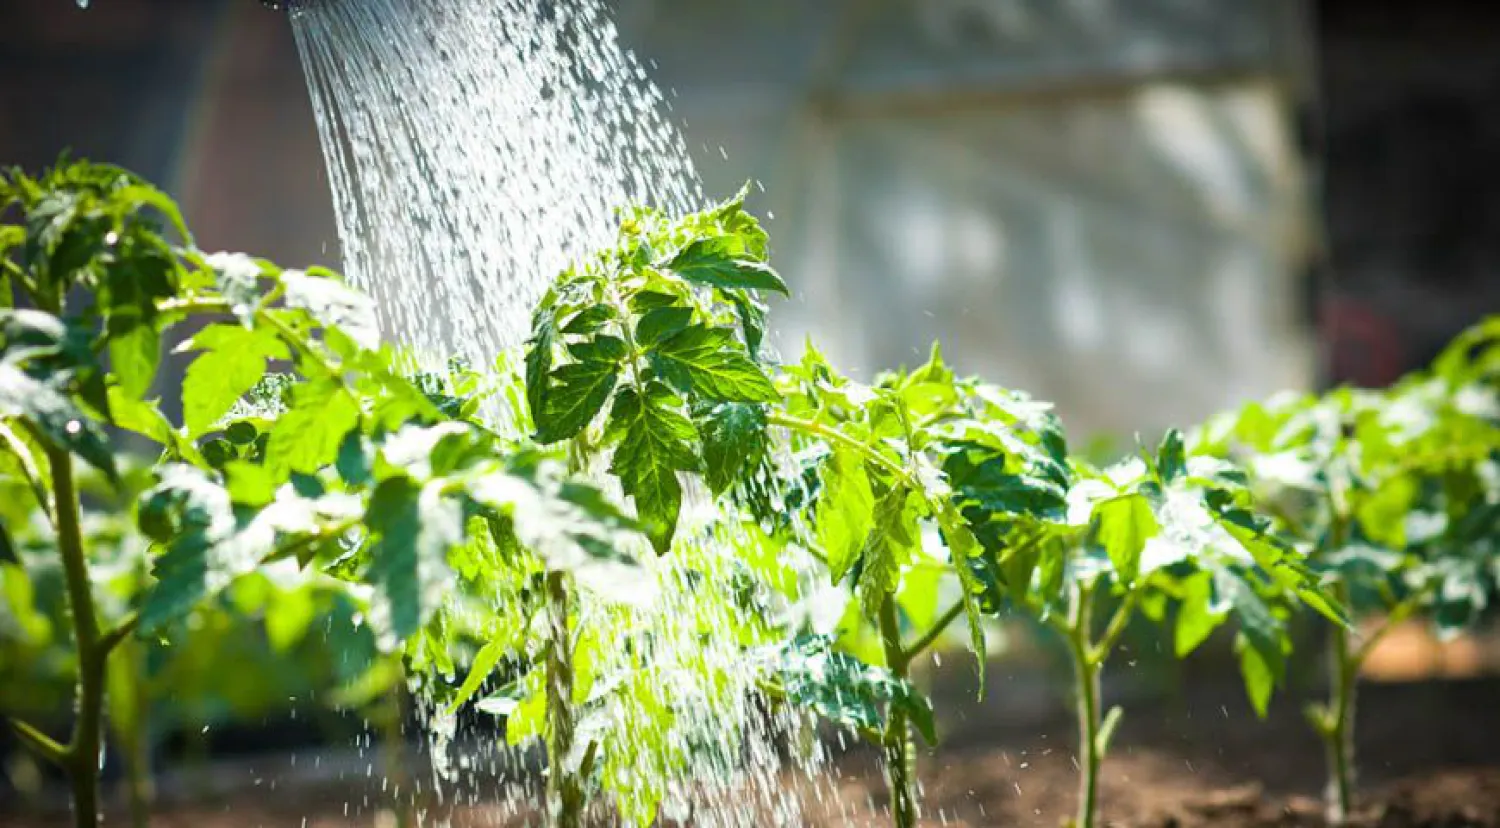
[(73, 427)]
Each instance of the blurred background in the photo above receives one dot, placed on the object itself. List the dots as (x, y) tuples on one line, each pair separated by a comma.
[(1144, 210)]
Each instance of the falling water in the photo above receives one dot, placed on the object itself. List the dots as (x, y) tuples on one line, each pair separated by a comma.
[(477, 148)]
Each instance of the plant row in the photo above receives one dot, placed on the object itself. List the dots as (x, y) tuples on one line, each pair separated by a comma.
[(644, 525)]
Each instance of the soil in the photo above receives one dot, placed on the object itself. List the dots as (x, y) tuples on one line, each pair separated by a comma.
[(1430, 757)]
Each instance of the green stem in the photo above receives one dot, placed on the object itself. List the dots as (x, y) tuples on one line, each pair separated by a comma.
[(40, 743), (896, 743), (1086, 670), (813, 428), (83, 749), (916, 648), (564, 791), (1338, 727)]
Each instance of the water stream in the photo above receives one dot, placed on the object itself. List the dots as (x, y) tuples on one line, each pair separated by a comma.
[(476, 148)]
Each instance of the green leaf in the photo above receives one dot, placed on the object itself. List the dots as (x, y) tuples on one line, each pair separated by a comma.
[(413, 527), (539, 360), (589, 320), (709, 361), (1197, 616), (657, 443), (579, 391), (248, 483), (752, 321), (713, 262), (484, 663), (660, 323), (890, 545), (233, 361), (1171, 456), (209, 543), (356, 459), (1259, 675), (307, 436), (845, 510), (734, 441), (965, 549), (809, 674), (1124, 525), (134, 356), (56, 417)]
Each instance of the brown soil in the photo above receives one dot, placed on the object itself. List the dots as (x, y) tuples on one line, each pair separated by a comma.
[(1430, 758)]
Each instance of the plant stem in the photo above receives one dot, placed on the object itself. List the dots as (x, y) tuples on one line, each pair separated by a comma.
[(816, 429), (41, 744), (933, 633), (1086, 670), (896, 743), (1338, 728), (83, 749), (564, 791)]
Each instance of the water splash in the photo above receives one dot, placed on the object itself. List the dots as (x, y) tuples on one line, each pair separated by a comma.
[(475, 149)]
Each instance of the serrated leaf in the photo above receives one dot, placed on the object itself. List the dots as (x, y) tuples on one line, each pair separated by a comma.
[(539, 360), (1124, 525), (56, 417), (845, 510), (892, 541), (713, 262), (209, 543), (752, 322), (710, 362), (307, 435), (964, 548), (578, 392), (234, 359), (657, 443), (734, 441), (842, 689)]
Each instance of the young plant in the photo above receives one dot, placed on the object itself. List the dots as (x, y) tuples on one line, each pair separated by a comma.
[(355, 472), (1154, 529), (651, 356), (1395, 498)]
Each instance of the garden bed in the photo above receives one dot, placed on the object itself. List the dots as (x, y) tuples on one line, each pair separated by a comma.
[(1430, 759)]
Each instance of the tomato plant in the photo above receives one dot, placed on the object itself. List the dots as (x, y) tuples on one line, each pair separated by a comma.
[(1395, 497), (647, 518), (346, 467)]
